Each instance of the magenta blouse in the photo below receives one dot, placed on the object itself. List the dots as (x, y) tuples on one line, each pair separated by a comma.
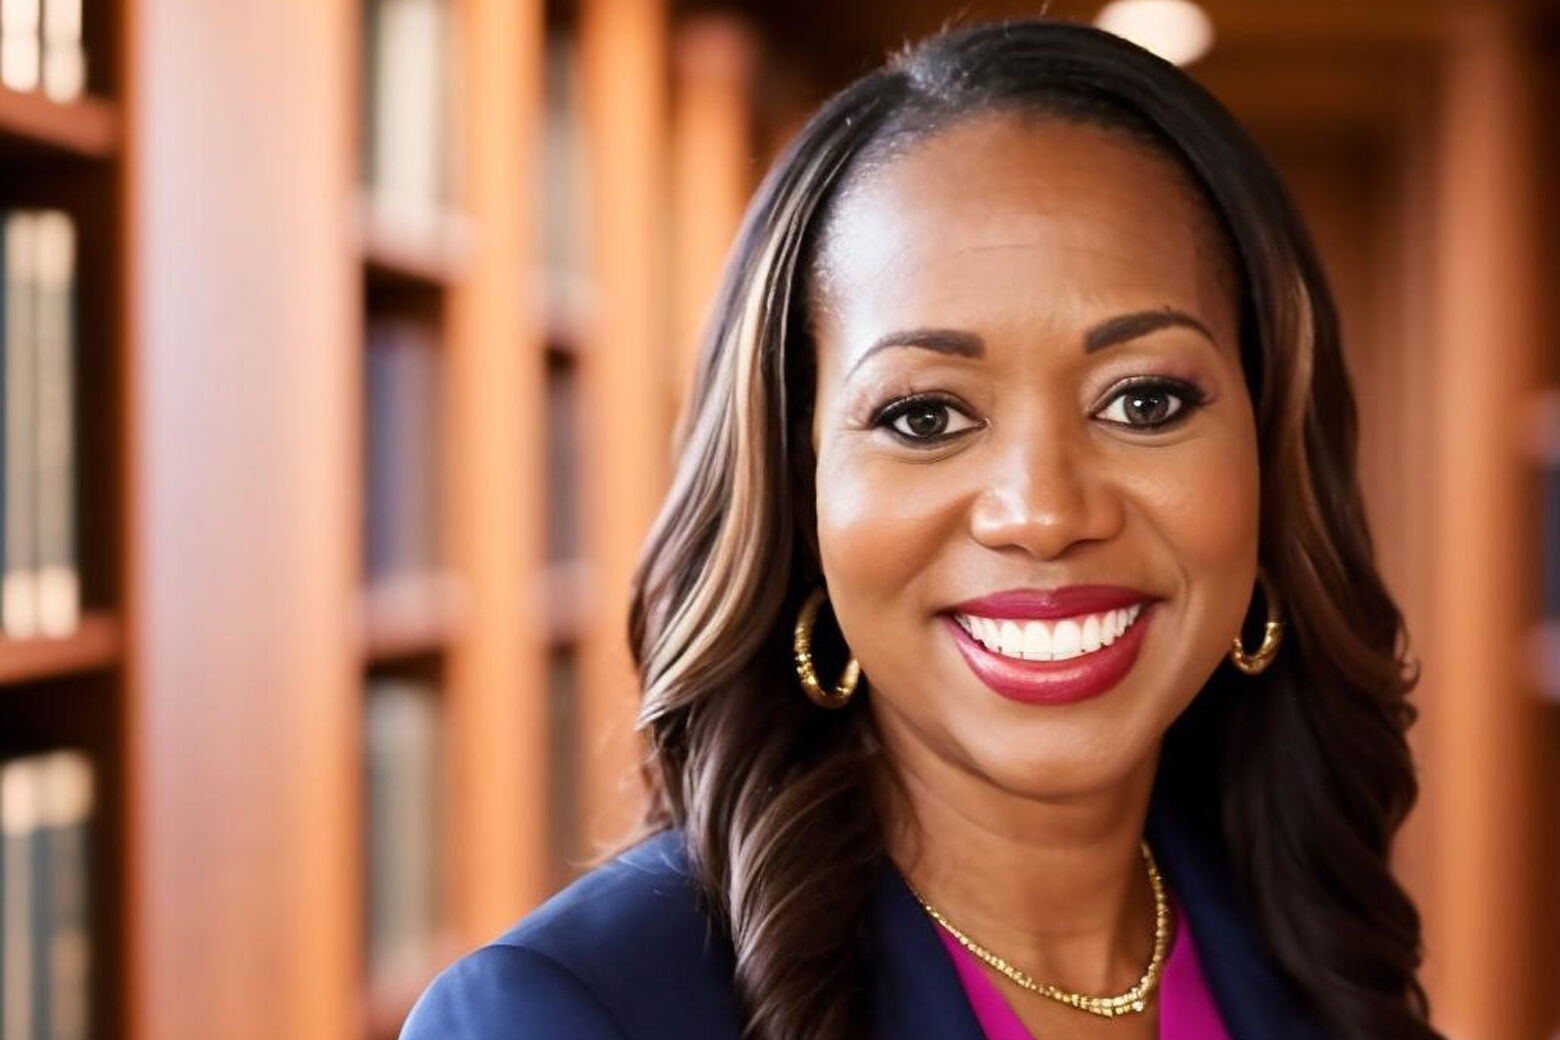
[(1186, 1008)]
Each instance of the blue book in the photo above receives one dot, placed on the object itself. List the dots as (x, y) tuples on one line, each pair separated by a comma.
[(18, 838), (63, 929)]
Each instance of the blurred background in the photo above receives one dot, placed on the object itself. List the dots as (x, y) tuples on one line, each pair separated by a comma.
[(342, 343)]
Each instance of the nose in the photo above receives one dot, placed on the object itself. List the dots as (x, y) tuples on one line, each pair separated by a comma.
[(1045, 493)]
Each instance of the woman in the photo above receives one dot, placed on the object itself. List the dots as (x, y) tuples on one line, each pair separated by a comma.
[(1024, 373)]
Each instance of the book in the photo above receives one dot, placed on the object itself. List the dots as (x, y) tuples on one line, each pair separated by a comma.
[(64, 60), (407, 93), (46, 805), (564, 511), (404, 446), (57, 586), (21, 44), (403, 783), (40, 592), (65, 805), (19, 830), (568, 283), (18, 585)]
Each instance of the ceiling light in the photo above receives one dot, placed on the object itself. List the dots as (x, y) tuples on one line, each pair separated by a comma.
[(1177, 30)]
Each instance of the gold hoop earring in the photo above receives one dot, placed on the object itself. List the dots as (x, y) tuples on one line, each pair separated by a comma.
[(1272, 634), (802, 646)]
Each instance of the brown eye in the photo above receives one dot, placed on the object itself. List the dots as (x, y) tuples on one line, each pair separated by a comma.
[(1150, 404), (925, 419)]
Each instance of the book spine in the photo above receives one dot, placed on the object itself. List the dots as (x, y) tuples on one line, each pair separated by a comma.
[(64, 57), (18, 585), (42, 924), (406, 125), (404, 448), (21, 45), (403, 790), (65, 814), (58, 581), (18, 835)]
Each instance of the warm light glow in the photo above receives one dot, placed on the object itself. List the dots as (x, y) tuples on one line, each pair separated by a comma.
[(1177, 30)]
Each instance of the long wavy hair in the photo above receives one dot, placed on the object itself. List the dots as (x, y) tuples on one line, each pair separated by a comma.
[(1300, 777)]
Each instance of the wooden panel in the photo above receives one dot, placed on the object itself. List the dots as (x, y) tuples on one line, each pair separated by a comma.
[(242, 721), (497, 692), (1490, 968), (623, 49), (623, 56), (712, 167)]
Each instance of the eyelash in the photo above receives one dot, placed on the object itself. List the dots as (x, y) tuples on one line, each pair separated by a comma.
[(1190, 397)]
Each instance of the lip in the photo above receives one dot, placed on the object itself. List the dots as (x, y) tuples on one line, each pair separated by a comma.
[(1054, 682), (1052, 603)]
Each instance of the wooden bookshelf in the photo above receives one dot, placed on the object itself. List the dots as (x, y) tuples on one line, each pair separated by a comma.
[(33, 125), (93, 646), (67, 691), (231, 268), (433, 255), (412, 619)]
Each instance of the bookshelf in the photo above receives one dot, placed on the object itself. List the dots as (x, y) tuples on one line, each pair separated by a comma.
[(30, 124), (233, 269), (239, 634), (62, 653), (465, 630), (93, 646)]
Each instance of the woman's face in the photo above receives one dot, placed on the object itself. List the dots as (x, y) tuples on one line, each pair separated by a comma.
[(1028, 380)]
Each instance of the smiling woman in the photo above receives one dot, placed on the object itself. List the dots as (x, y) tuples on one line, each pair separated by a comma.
[(1025, 367)]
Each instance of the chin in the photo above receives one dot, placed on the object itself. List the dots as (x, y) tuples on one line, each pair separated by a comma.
[(1055, 769)]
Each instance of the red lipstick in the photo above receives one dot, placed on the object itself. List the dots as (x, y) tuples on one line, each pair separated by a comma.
[(1054, 682)]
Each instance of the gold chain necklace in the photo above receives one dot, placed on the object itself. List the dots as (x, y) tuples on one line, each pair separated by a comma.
[(1133, 1000)]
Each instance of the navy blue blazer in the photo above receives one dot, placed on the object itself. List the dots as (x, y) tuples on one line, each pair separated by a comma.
[(626, 953)]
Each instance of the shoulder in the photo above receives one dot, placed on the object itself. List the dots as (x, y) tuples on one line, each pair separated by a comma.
[(626, 951)]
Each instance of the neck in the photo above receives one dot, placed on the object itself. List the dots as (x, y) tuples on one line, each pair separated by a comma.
[(1056, 886)]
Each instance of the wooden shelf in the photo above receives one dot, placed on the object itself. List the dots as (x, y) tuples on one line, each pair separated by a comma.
[(32, 124), (411, 617), (570, 306), (564, 592), (94, 645), (424, 250)]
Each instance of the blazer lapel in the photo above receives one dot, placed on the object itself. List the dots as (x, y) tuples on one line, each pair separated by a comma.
[(917, 992), (1254, 1000)]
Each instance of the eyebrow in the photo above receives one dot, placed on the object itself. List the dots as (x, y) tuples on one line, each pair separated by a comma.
[(1140, 323), (1107, 333)]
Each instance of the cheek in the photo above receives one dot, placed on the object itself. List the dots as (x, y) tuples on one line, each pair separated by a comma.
[(881, 525), (1204, 503)]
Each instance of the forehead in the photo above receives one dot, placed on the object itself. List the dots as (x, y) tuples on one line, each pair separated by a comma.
[(1009, 218)]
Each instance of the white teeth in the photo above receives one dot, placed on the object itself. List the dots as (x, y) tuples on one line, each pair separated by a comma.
[(1066, 640), (1060, 640), (1037, 641), (1091, 633)]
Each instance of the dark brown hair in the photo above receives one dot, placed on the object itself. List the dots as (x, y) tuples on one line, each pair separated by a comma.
[(1301, 776)]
